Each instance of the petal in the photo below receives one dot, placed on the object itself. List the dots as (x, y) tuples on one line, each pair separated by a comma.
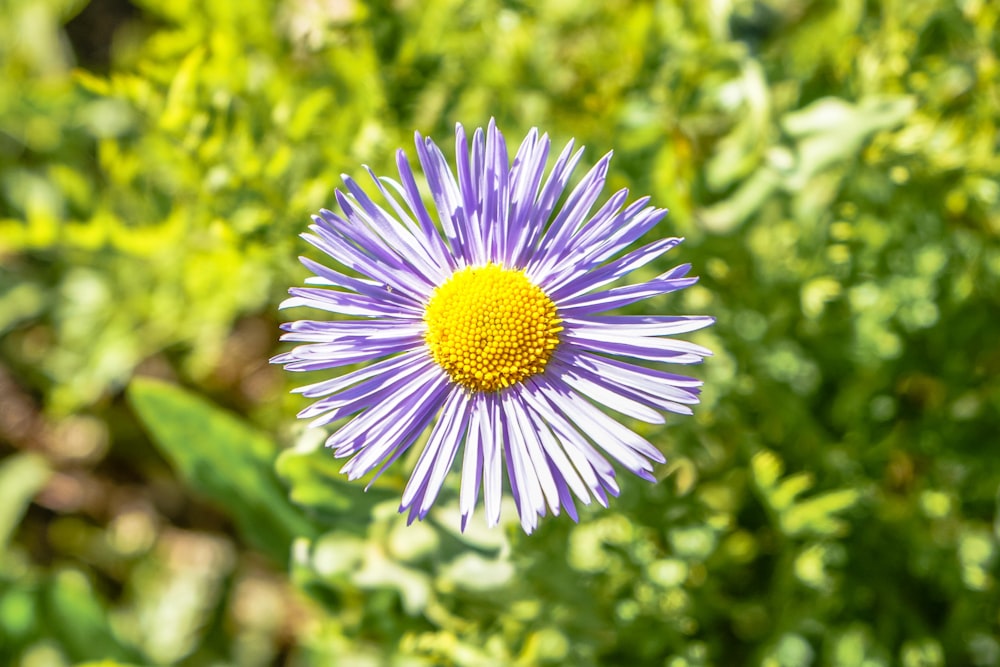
[(320, 356), (643, 325), (389, 427), (350, 331), (633, 374), (469, 188), (534, 451), (346, 303), (583, 279), (546, 202), (642, 384), (447, 198), (411, 250), (472, 462), (587, 337), (629, 448), (592, 466), (591, 387), (437, 457), (492, 437), (364, 394), (561, 466), (617, 297), (495, 202), (526, 179), (524, 482), (558, 252), (384, 367), (575, 210), (617, 393), (349, 247)]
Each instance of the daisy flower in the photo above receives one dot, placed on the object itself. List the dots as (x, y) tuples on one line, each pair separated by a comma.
[(484, 321)]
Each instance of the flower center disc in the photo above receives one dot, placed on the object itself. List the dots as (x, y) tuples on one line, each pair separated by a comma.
[(489, 327)]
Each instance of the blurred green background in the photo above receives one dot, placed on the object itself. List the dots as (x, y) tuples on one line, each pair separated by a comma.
[(834, 166)]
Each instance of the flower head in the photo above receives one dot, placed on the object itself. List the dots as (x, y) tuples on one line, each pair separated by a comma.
[(485, 323)]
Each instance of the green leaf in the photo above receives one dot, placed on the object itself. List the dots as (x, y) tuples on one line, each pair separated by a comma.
[(223, 459), (21, 477), (814, 515), (76, 616), (832, 130), (316, 483)]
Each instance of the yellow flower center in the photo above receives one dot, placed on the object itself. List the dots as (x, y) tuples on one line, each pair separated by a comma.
[(489, 327)]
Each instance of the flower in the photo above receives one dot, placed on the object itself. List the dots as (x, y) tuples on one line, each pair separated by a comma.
[(485, 324)]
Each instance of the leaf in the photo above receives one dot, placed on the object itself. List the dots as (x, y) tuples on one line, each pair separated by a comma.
[(223, 459), (728, 214), (473, 572), (81, 623), (316, 483), (21, 477), (832, 130), (816, 515), (796, 518)]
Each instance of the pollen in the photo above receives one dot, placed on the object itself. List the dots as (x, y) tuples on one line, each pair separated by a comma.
[(490, 327)]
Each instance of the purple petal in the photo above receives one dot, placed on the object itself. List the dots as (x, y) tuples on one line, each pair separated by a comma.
[(438, 455), (583, 279), (591, 387), (643, 325), (491, 435), (546, 202), (384, 367), (629, 448), (617, 297), (472, 463)]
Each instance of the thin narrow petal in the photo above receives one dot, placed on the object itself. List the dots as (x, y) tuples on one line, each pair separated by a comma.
[(637, 383), (363, 394), (438, 455), (554, 186), (492, 437), (378, 430), (470, 192), (384, 367), (534, 451), (472, 462), (592, 466), (526, 179), (352, 331), (523, 477), (629, 448), (444, 190), (577, 207), (642, 325), (558, 251), (645, 394), (617, 297), (562, 468), (411, 195), (597, 334), (343, 303), (392, 231), (581, 280), (607, 396), (496, 202)]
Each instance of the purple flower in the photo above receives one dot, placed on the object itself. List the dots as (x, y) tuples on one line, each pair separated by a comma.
[(485, 322)]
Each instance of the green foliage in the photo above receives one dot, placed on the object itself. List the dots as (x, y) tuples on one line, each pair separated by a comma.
[(21, 477), (799, 517), (834, 167), (224, 459)]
